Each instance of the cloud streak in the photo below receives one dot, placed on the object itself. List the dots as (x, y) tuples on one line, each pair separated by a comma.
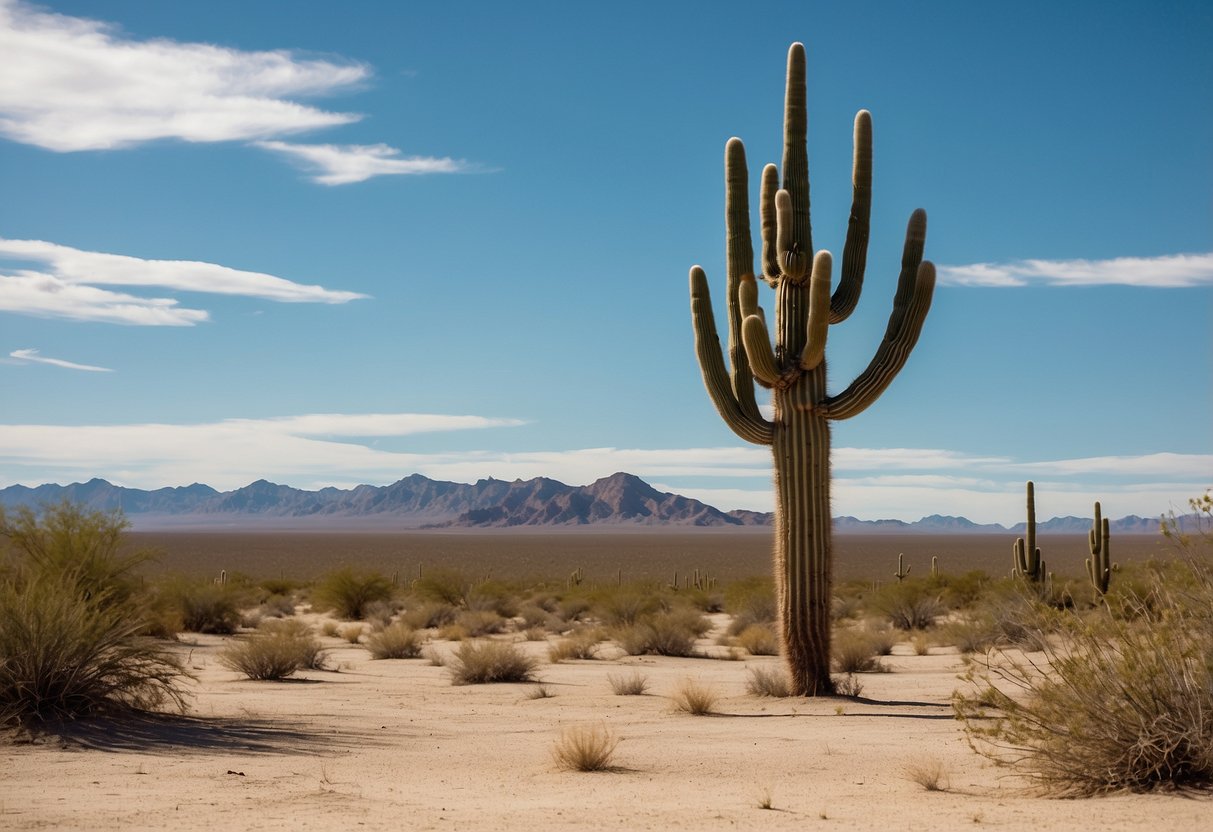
[(1173, 271), (32, 355), (66, 285), (74, 84), (320, 449), (333, 164)]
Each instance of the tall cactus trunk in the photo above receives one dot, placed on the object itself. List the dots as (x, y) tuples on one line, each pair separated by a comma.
[(803, 535), (794, 367)]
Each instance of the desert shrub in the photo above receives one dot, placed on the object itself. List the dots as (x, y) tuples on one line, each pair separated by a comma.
[(269, 655), (1116, 704), (277, 586), (277, 606), (429, 614), (759, 640), (574, 608), (631, 684), (693, 697), (973, 633), (705, 600), (624, 607), (962, 591), (921, 642), (581, 645), (453, 632), (854, 651), (848, 685), (663, 634), (535, 634), (585, 748), (349, 594), (533, 615), (908, 605), (493, 596), (481, 622), (311, 654), (444, 586), (67, 652), (767, 681), (481, 662), (751, 601), (329, 628), (396, 641), (205, 607), (882, 640), (352, 633)]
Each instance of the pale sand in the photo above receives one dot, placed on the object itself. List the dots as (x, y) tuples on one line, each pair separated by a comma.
[(392, 744)]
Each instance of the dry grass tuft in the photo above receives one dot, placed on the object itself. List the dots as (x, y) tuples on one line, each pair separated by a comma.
[(270, 656), (855, 652), (633, 684), (696, 698), (759, 640), (396, 641), (767, 681), (928, 772), (582, 645), (585, 748)]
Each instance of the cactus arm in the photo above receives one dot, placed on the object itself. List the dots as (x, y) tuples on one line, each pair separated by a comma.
[(766, 201), (795, 150), (758, 349), (819, 312), (739, 256), (911, 303), (855, 250), (711, 364)]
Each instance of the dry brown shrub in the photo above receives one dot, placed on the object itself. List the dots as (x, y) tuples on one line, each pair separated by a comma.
[(486, 662), (585, 748), (767, 681), (633, 684), (694, 697)]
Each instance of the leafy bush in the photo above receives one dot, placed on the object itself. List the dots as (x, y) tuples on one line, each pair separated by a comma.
[(443, 586), (481, 662), (67, 652), (585, 748), (349, 594), (205, 607), (397, 641)]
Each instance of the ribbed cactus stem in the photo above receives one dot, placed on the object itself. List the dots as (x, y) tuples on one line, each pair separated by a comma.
[(794, 364), (1028, 563), (902, 569), (1099, 565)]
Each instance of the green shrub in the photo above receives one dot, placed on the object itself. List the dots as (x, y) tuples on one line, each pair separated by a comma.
[(67, 652), (270, 655), (396, 641), (349, 594), (444, 586), (908, 605), (205, 607), (482, 662)]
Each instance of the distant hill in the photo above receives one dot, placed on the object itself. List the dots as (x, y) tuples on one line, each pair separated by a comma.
[(416, 501)]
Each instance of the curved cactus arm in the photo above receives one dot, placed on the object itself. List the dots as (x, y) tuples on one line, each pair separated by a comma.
[(766, 207), (910, 306), (855, 250), (711, 364), (793, 260), (739, 256), (819, 312), (758, 349)]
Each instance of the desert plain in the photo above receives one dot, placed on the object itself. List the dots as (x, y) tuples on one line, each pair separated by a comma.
[(379, 744)]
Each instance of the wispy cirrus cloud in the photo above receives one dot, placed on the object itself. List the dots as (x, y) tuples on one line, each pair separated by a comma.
[(1172, 271), (65, 283), (32, 355), (71, 84), (335, 164)]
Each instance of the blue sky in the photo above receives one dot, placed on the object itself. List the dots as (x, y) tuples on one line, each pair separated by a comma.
[(328, 244)]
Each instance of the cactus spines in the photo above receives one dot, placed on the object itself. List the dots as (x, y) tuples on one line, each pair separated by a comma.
[(794, 368), (1099, 565), (1028, 563), (902, 569)]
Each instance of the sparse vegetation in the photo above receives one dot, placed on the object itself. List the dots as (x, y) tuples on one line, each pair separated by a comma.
[(694, 697), (396, 641), (855, 652), (271, 655), (767, 681), (631, 684), (581, 645), (585, 748), (482, 662), (928, 772), (349, 594), (759, 640)]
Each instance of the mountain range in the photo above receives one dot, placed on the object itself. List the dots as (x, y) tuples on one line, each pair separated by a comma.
[(416, 501)]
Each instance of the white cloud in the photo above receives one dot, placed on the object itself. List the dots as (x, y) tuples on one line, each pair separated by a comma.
[(1165, 272), (68, 286), (334, 164), (313, 450), (74, 84), (32, 355)]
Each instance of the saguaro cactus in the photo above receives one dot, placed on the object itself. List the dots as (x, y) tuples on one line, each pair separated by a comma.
[(795, 369), (1028, 563), (1099, 565)]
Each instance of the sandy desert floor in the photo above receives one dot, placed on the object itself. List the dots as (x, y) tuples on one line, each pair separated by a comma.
[(392, 744)]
